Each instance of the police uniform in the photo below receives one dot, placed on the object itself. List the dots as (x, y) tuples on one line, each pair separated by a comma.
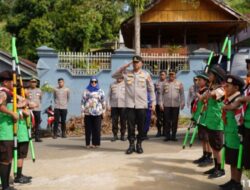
[(172, 97), (116, 100), (136, 86), (6, 131), (35, 96), (159, 112)]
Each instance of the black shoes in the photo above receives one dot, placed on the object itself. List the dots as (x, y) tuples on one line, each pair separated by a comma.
[(231, 185), (158, 134), (123, 138), (199, 160), (29, 177), (174, 139), (206, 162), (226, 184), (115, 138), (167, 139), (211, 171), (38, 140), (131, 148), (139, 149), (217, 173), (22, 180), (64, 135)]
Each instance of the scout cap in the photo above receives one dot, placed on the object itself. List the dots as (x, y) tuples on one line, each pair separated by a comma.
[(5, 75), (137, 58), (218, 71), (202, 75), (235, 80)]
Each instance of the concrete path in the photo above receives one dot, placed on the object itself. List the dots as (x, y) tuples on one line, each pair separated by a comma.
[(64, 164)]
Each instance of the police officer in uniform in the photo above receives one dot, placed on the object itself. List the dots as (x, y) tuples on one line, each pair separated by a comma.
[(137, 83), (116, 102), (7, 117), (172, 99), (159, 112), (35, 96)]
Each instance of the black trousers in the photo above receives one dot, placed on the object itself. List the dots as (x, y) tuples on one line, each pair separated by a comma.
[(159, 121), (118, 114), (171, 116), (37, 116), (93, 129), (136, 117), (60, 116)]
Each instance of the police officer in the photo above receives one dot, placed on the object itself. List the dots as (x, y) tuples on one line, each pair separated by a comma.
[(7, 117), (116, 102), (159, 112), (137, 83), (61, 99), (172, 99), (192, 93), (35, 96)]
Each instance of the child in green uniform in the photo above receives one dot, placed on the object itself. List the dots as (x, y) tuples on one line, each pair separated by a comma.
[(198, 117), (7, 118), (214, 101), (233, 87), (246, 109), (23, 146)]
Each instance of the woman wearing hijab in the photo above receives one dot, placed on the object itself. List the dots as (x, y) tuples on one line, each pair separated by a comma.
[(93, 106)]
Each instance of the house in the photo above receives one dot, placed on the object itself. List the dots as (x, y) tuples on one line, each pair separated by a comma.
[(243, 38), (169, 24), (28, 68)]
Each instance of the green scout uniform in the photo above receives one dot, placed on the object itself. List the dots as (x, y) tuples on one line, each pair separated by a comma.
[(247, 117), (246, 139), (232, 139), (198, 111), (22, 133), (213, 118), (6, 123)]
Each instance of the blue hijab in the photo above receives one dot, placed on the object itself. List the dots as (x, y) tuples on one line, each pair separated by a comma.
[(90, 87)]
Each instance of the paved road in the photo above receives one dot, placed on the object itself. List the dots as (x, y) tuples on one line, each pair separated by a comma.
[(64, 164)]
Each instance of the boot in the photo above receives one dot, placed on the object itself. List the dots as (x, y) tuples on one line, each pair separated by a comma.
[(123, 138), (139, 149), (64, 134), (131, 147), (115, 138)]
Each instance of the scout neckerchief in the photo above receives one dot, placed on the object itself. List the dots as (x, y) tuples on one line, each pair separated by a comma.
[(228, 101), (196, 100)]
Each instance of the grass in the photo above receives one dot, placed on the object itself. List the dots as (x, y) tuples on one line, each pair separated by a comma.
[(184, 121), (247, 173)]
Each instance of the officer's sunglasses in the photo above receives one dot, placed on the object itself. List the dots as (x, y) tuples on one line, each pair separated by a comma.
[(93, 81)]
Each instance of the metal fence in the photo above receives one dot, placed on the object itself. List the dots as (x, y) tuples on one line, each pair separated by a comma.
[(81, 64), (154, 63)]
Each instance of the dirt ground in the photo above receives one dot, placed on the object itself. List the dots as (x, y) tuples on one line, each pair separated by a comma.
[(65, 164)]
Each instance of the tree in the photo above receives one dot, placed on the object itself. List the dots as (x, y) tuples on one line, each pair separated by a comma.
[(137, 6), (242, 6), (72, 25)]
